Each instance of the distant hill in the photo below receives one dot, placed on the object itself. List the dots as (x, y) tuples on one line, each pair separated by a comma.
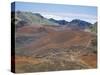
[(76, 23), (60, 22), (94, 27), (29, 18)]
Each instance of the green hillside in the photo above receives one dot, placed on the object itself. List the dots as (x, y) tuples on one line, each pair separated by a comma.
[(94, 28)]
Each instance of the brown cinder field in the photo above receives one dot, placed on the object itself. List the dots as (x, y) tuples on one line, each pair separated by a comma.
[(49, 48)]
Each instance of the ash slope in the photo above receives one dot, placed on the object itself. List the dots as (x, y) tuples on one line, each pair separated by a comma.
[(50, 47)]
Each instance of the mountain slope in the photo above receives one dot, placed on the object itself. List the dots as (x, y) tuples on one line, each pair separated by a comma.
[(41, 47), (54, 50), (60, 22), (28, 18), (75, 23), (94, 27), (31, 18), (79, 24)]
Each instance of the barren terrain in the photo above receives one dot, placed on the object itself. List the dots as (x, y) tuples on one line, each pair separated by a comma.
[(50, 48)]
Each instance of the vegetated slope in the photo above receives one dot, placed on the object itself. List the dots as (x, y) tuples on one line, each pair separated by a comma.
[(94, 27), (49, 49)]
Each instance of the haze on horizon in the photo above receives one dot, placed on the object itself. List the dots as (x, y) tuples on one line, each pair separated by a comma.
[(60, 11)]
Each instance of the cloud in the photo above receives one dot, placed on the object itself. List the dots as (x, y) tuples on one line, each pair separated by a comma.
[(52, 16), (70, 16)]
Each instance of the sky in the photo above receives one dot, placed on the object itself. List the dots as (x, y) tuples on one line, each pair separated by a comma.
[(60, 11)]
